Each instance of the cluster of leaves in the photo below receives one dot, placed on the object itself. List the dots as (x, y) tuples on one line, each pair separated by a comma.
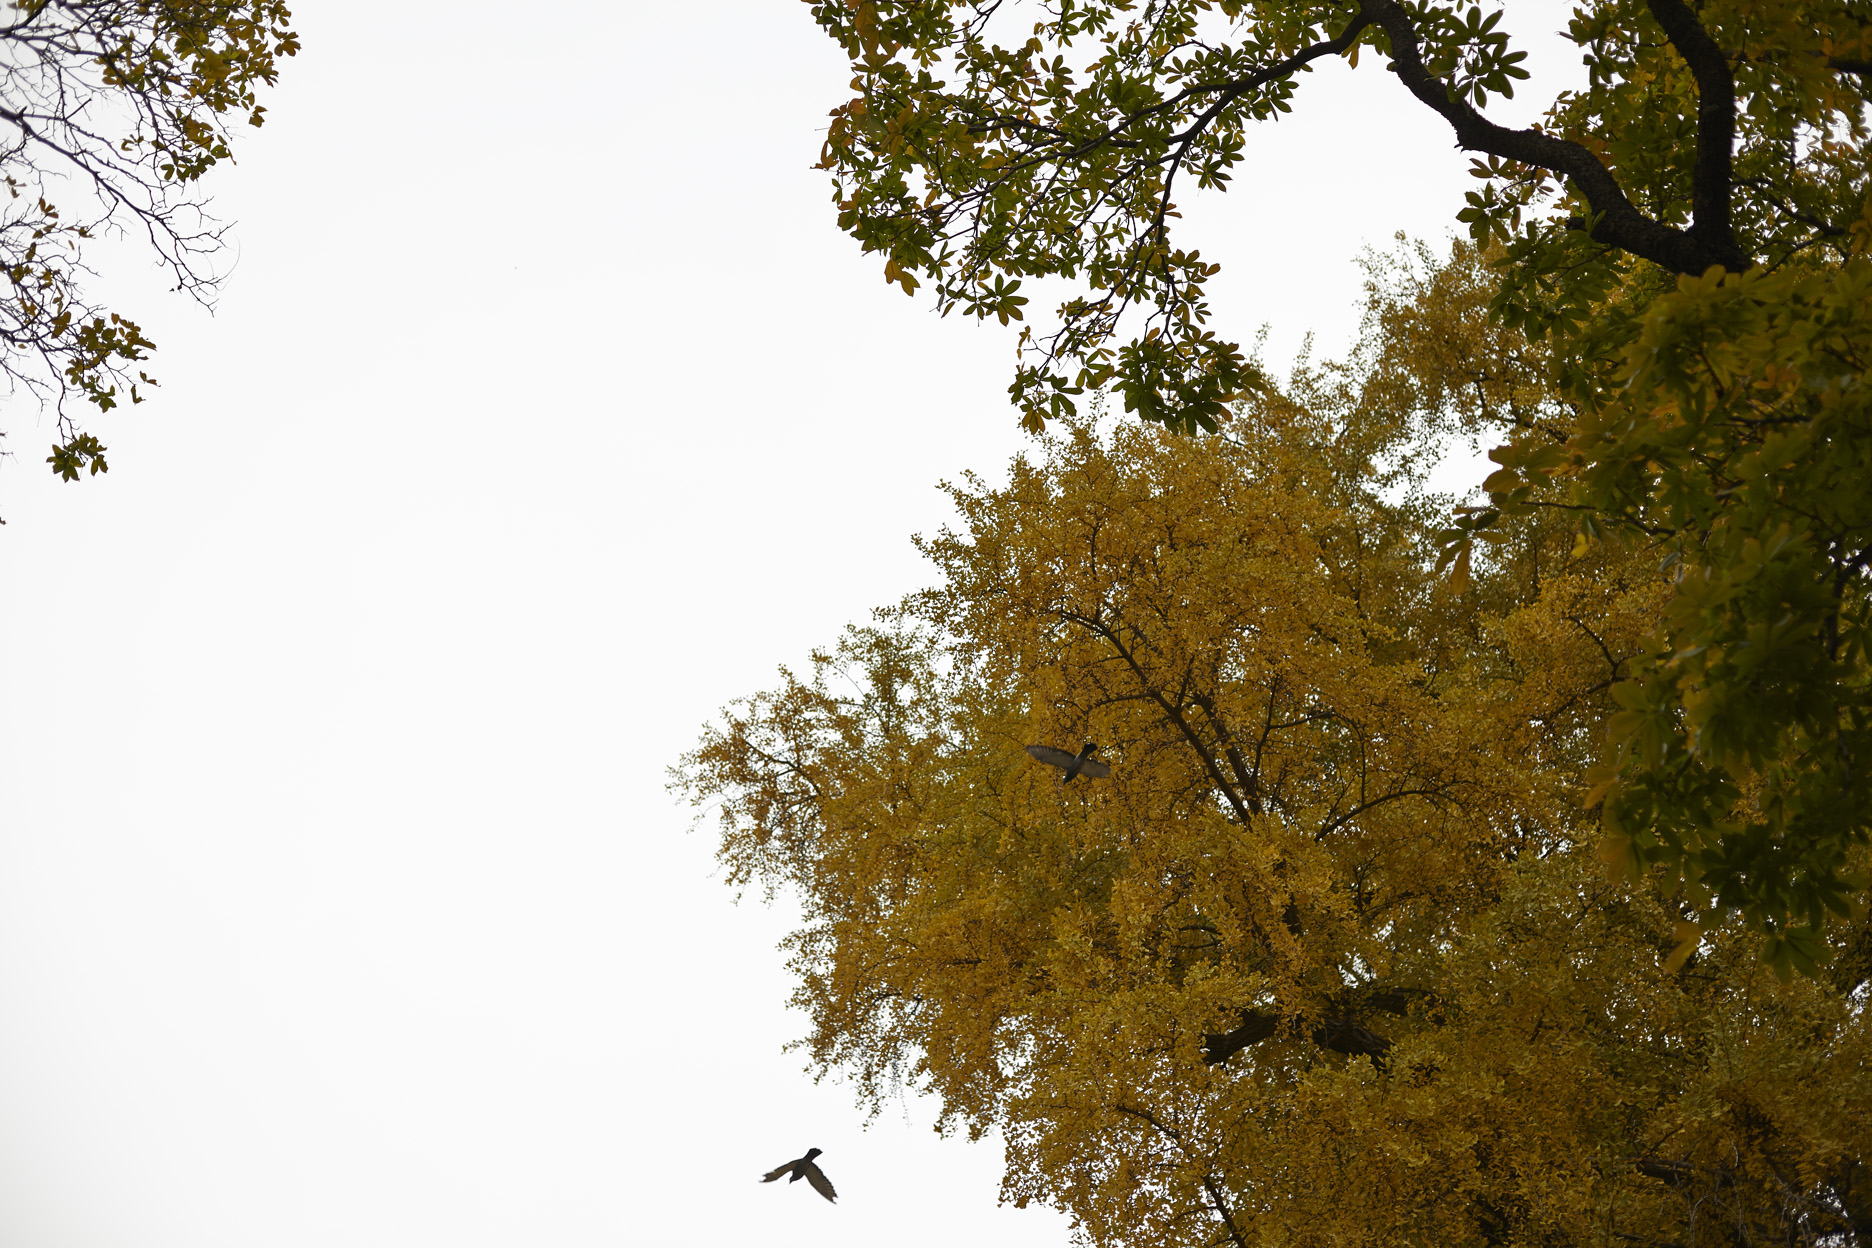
[(977, 154), (1030, 164), (1742, 126), (1734, 437), (1330, 957), (122, 105)]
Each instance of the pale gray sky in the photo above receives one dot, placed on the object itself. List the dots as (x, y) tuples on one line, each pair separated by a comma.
[(341, 901)]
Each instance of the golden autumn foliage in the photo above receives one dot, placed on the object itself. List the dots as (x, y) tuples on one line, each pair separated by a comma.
[(1684, 235), (1330, 958)]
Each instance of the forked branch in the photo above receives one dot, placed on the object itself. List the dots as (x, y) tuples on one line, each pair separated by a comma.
[(1616, 222)]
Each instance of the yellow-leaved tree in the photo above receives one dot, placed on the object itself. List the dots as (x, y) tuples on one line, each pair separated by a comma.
[(1329, 957)]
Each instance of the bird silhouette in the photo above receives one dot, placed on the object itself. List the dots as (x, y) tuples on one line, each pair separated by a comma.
[(803, 1168), (1080, 764)]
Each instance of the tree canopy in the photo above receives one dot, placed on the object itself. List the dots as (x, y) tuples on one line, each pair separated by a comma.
[(1333, 954), (111, 113), (1680, 243)]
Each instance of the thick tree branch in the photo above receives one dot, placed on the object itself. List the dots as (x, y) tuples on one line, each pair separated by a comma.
[(1398, 1000), (1336, 1032), (1249, 778), (1715, 160), (1341, 1035), (1616, 222), (1257, 1025)]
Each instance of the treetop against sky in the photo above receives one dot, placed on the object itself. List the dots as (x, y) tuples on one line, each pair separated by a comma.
[(988, 144)]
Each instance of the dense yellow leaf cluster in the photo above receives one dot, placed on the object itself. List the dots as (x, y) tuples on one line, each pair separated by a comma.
[(985, 146), (1330, 957)]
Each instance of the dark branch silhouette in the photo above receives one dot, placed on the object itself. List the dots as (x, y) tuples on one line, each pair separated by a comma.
[(1617, 223)]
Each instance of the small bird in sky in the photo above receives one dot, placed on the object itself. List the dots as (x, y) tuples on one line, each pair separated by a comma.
[(1081, 764), (803, 1168)]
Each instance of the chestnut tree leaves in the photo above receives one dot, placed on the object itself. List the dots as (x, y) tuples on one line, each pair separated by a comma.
[(987, 144)]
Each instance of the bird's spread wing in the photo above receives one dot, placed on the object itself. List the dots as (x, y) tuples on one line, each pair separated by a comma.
[(1054, 758), (1095, 769), (821, 1184), (781, 1173)]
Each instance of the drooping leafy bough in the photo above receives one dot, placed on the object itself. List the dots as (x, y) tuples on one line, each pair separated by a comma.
[(989, 143)]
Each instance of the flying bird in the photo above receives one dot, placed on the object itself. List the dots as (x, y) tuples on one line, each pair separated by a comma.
[(1081, 764), (803, 1168)]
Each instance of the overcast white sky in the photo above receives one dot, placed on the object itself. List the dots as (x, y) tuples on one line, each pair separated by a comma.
[(341, 900)]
